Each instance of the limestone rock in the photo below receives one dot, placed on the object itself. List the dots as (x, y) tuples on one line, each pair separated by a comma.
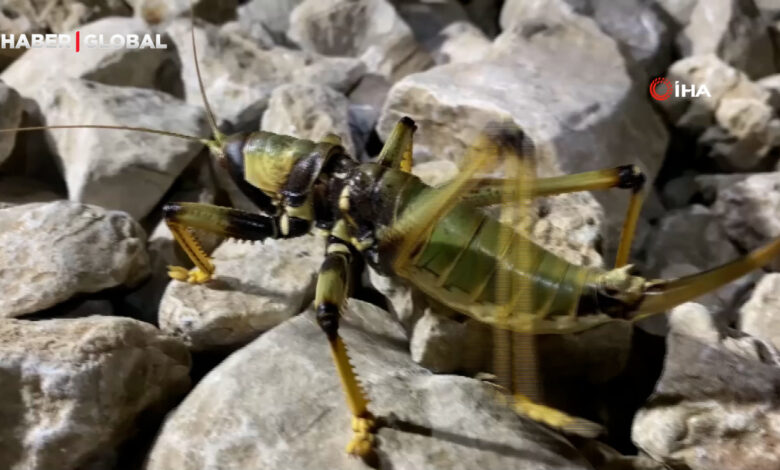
[(121, 170), (159, 11), (708, 187), (239, 75), (444, 345), (49, 252), (736, 126), (11, 104), (733, 30), (369, 29), (145, 68), (272, 16), (11, 22), (309, 112), (760, 316), (404, 302), (570, 226), (633, 23), (461, 42), (772, 85), (528, 82), (256, 287), (716, 404), (678, 10), (61, 17), (749, 211), (280, 402), (72, 388), (435, 173)]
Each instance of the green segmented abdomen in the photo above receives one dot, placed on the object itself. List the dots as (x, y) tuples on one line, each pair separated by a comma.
[(475, 264)]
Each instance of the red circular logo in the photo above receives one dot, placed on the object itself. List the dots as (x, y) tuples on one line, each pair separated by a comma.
[(660, 81)]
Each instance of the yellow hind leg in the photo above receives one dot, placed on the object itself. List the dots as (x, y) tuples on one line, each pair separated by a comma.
[(555, 418)]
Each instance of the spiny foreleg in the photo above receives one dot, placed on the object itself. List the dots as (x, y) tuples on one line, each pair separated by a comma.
[(184, 216), (333, 289)]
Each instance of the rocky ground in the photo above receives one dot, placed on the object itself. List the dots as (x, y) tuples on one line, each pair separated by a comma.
[(106, 364)]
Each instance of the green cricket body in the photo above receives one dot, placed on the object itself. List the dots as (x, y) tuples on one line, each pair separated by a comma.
[(461, 257), (467, 257)]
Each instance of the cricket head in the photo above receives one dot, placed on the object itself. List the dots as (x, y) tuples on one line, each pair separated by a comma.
[(284, 168)]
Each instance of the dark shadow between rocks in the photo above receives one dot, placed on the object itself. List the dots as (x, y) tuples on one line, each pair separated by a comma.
[(404, 426)]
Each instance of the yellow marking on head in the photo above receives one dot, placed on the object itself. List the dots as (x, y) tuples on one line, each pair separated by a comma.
[(269, 173)]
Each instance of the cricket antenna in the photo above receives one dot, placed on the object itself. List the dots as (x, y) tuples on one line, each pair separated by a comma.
[(100, 126), (218, 136)]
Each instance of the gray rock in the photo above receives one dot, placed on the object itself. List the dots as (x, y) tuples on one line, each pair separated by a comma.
[(772, 85), (436, 172), (270, 16), (461, 42), (760, 316), (72, 389), (11, 104), (309, 112), (256, 287), (750, 211), (404, 302), (13, 23), (678, 10), (428, 19), (635, 24), (444, 345), (61, 17), (239, 75), (145, 68), (369, 29), (734, 31), (160, 11), (569, 225), (678, 191), (298, 419), (528, 81), (50, 252), (121, 170), (366, 101), (692, 240), (736, 127), (716, 404)]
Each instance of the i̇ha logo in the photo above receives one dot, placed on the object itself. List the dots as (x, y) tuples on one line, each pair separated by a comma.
[(661, 89)]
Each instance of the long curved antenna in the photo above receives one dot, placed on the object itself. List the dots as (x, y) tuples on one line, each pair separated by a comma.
[(218, 136), (100, 126)]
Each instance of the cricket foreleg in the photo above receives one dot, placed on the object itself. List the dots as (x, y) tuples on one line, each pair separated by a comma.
[(490, 191), (397, 151), (333, 285), (181, 217)]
